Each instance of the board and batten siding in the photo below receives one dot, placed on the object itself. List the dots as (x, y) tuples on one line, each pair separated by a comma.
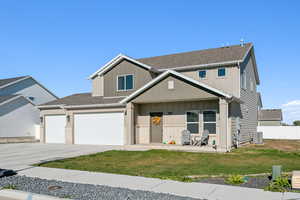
[(141, 77), (97, 86), (249, 108)]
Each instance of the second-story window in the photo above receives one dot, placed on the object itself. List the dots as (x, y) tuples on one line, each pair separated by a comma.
[(125, 82), (221, 72), (202, 73)]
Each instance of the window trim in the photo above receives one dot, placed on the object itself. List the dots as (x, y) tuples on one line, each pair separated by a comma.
[(186, 122), (205, 74), (218, 72), (203, 122), (124, 75)]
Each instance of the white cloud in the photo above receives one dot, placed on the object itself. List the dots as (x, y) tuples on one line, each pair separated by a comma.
[(292, 103), (291, 111)]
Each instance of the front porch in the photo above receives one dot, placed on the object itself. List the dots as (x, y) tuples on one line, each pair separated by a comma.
[(171, 103), (156, 125)]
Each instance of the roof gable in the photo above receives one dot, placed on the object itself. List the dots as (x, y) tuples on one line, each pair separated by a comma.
[(117, 60), (177, 75)]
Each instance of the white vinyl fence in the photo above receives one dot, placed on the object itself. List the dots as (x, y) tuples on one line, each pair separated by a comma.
[(280, 132)]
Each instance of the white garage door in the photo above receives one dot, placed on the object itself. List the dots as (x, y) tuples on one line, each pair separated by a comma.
[(99, 128), (55, 128)]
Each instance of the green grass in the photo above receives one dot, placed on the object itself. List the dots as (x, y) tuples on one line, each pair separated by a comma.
[(178, 165)]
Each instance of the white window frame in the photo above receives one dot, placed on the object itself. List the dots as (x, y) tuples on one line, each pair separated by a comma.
[(186, 122), (124, 75), (205, 73), (203, 122)]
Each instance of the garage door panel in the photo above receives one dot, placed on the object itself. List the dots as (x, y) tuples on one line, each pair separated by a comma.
[(99, 128), (55, 128)]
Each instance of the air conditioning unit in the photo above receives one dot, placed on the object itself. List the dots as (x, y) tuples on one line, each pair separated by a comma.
[(258, 138)]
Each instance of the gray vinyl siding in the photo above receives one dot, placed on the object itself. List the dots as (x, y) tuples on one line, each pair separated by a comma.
[(249, 108)]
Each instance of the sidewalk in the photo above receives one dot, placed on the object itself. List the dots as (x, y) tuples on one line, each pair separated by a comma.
[(195, 190)]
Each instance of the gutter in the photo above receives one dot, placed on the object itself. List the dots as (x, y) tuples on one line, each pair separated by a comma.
[(203, 65)]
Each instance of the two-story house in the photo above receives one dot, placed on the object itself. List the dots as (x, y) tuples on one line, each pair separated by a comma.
[(18, 112), (152, 100)]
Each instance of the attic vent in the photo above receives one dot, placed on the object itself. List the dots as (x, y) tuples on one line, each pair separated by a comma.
[(170, 85)]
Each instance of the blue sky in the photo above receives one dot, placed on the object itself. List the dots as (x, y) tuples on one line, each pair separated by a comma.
[(61, 43)]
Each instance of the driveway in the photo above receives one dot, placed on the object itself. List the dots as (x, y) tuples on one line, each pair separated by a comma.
[(22, 155)]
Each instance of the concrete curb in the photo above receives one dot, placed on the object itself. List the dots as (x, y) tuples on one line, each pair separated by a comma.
[(8, 194)]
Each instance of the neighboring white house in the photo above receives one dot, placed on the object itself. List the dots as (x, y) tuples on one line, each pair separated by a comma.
[(18, 112)]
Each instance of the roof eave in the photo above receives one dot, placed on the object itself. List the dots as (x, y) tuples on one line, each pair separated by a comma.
[(95, 105), (190, 67), (117, 59)]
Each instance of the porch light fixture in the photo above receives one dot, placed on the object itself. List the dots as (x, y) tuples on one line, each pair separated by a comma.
[(41, 119)]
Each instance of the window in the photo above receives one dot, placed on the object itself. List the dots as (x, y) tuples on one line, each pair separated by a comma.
[(243, 79), (221, 72), (192, 121), (209, 121), (125, 82), (251, 85), (202, 73)]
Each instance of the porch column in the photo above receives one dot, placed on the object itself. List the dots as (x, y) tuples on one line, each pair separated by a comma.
[(224, 135), (129, 124), (69, 135)]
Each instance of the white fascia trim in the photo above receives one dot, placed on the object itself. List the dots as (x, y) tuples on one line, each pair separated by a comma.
[(16, 97), (246, 54), (115, 60), (11, 83), (96, 105), (51, 106), (166, 73), (201, 66)]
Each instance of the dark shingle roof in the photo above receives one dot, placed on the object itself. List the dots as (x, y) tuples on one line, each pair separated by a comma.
[(270, 115), (6, 98), (82, 99), (10, 80), (201, 57)]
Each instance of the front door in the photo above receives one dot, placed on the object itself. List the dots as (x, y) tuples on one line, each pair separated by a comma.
[(156, 121)]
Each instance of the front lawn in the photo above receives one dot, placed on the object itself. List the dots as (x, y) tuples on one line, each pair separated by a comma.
[(178, 165)]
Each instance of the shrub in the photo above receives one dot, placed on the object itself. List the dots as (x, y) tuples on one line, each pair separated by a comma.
[(280, 184), (10, 187), (235, 179)]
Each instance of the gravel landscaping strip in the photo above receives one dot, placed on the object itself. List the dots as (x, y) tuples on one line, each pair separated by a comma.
[(81, 191), (253, 182)]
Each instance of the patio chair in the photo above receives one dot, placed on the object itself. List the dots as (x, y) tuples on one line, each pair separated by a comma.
[(204, 138)]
